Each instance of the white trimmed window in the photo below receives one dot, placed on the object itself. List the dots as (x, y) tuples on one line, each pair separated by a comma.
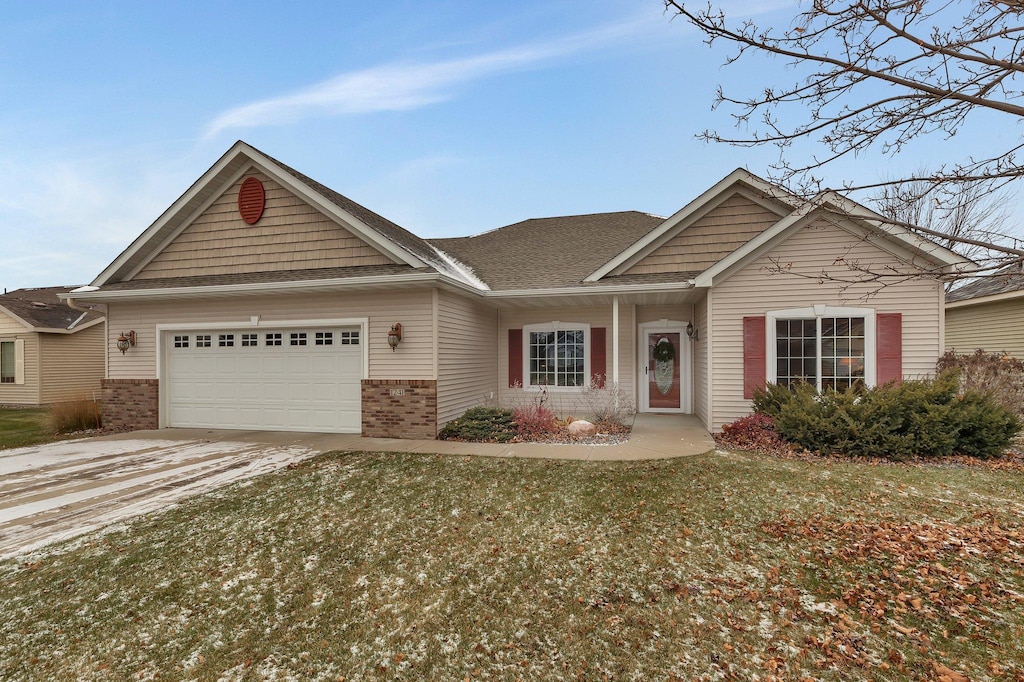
[(826, 346), (555, 355)]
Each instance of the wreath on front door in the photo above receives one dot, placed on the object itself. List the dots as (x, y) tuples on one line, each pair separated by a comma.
[(664, 351)]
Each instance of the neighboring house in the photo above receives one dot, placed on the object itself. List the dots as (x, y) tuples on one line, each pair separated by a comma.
[(263, 300), (988, 314), (48, 351)]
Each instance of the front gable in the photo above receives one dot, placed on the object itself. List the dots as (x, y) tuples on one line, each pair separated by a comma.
[(291, 234), (708, 239)]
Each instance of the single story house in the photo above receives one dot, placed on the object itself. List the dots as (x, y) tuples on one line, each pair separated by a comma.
[(261, 299), (988, 314), (49, 352)]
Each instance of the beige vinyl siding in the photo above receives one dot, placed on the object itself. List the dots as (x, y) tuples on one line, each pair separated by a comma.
[(413, 359), (28, 392), (467, 373), (72, 364), (700, 361), (756, 290), (996, 327), (566, 401), (291, 235), (709, 239)]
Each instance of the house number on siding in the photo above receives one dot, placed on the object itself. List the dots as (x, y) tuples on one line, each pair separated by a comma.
[(396, 391)]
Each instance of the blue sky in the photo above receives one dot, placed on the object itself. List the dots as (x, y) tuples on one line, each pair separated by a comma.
[(449, 118)]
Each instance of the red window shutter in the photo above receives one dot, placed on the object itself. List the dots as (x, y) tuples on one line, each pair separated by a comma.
[(754, 360), (515, 357), (889, 347), (598, 356)]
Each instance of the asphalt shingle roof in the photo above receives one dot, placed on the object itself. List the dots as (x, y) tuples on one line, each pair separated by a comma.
[(543, 253), (43, 310), (1002, 281)]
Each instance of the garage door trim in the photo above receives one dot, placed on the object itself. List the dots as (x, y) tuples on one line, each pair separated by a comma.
[(256, 322)]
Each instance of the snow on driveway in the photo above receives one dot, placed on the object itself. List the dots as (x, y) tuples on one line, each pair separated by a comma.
[(53, 492)]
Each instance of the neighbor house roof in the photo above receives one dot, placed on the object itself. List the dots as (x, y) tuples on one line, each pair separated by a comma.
[(548, 252), (1008, 280), (40, 309)]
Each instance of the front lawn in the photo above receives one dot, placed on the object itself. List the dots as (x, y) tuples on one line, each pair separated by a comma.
[(20, 427), (383, 566)]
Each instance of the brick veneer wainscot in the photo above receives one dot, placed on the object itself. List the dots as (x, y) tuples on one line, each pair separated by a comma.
[(130, 404), (412, 415)]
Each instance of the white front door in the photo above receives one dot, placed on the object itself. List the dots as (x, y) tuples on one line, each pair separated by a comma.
[(265, 379), (665, 380)]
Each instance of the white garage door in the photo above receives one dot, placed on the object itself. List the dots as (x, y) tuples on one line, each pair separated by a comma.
[(273, 380)]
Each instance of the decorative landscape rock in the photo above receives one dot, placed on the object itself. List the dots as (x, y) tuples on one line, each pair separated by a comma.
[(581, 427)]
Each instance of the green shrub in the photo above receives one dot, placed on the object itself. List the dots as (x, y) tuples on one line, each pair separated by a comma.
[(927, 417), (481, 425)]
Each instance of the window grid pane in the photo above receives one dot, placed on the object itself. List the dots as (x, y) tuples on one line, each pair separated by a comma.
[(203, 341), (7, 362), (181, 341), (273, 339), (796, 343), (557, 358), (249, 340), (842, 352), (298, 338), (226, 340)]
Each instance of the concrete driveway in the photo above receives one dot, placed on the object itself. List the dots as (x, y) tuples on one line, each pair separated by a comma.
[(56, 491)]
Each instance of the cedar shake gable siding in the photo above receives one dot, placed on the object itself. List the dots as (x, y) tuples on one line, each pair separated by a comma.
[(709, 239), (290, 235)]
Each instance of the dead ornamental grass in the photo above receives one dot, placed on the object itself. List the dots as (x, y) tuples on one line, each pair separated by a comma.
[(376, 566)]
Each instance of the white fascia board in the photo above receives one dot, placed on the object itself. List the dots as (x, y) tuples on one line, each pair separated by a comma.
[(738, 176), (143, 239), (279, 174), (991, 298), (584, 291), (264, 287), (342, 216), (17, 319), (69, 330), (909, 238)]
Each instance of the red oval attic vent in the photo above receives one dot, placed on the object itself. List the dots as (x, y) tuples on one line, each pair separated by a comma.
[(251, 200)]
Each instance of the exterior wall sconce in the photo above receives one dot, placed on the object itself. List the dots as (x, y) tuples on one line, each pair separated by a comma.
[(123, 341), (395, 336), (692, 332)]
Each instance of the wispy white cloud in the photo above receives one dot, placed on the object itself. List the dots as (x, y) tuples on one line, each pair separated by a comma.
[(400, 86)]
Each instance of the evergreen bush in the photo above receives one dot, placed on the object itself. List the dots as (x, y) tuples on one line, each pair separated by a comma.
[(927, 417), (481, 425)]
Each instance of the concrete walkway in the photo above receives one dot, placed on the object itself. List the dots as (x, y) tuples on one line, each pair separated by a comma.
[(654, 436)]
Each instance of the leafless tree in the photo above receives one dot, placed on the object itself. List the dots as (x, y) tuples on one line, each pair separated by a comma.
[(958, 209), (878, 73)]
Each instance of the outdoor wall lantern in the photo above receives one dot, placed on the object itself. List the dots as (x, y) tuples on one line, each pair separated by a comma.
[(395, 335), (692, 332), (123, 342)]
